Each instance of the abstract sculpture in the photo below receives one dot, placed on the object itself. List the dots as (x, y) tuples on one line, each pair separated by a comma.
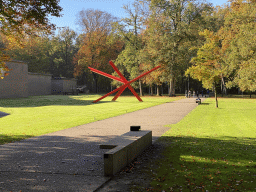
[(122, 80)]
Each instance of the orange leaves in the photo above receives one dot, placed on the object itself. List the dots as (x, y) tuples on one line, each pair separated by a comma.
[(238, 40), (20, 17), (3, 70), (97, 50)]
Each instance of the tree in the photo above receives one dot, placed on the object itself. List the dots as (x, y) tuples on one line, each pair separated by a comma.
[(209, 66), (96, 45), (3, 57), (20, 17), (46, 54), (180, 26), (91, 20), (149, 54), (238, 37), (32, 49), (128, 60), (97, 50), (229, 52), (63, 51)]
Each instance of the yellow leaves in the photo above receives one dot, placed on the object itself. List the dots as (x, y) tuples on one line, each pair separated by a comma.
[(208, 63), (205, 33)]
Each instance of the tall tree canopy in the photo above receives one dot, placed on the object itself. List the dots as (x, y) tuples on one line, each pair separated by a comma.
[(63, 51), (96, 51), (238, 39), (91, 20), (45, 54), (23, 15), (229, 52), (129, 29), (97, 45), (19, 17), (177, 23), (209, 65)]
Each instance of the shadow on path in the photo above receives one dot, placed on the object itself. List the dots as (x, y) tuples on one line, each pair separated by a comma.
[(53, 163)]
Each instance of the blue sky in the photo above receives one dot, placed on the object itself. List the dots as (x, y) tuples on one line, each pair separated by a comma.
[(114, 7)]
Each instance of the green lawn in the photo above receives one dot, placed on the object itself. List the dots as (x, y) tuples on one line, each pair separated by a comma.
[(39, 115), (210, 149)]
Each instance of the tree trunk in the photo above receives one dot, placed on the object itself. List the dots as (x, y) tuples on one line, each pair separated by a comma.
[(216, 99), (172, 87), (223, 87), (95, 83), (141, 94), (157, 90), (151, 92)]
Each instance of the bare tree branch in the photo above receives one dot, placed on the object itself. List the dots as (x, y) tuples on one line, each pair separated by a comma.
[(91, 20)]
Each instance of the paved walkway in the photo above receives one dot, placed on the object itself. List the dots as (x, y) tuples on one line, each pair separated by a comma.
[(70, 160)]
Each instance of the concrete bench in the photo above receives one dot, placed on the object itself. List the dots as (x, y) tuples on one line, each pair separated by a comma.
[(124, 149)]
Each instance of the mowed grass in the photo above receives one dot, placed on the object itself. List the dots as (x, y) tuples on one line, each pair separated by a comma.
[(39, 115), (210, 149)]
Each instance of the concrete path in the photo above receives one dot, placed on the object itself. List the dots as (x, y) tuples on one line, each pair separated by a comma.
[(70, 160)]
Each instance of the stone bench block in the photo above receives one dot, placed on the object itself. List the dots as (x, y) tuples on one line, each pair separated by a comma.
[(124, 149)]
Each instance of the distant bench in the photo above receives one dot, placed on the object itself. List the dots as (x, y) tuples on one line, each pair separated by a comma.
[(123, 149), (198, 101)]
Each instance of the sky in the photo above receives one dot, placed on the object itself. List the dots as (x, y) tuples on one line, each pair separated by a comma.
[(72, 7)]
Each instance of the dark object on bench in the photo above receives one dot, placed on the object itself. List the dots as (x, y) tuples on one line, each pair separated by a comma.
[(134, 128)]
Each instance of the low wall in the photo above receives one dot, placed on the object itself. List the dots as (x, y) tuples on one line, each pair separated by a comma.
[(124, 149), (21, 83), (16, 83), (39, 84), (60, 85)]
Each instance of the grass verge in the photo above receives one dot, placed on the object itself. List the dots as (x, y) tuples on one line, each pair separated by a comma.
[(210, 149), (39, 115)]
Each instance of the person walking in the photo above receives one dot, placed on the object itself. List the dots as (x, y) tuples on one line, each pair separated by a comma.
[(189, 94)]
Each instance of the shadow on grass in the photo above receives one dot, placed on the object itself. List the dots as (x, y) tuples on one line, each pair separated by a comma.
[(213, 164), (204, 104), (12, 138), (2, 114), (38, 101), (247, 96)]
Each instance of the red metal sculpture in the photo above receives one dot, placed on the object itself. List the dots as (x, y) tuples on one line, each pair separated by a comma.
[(122, 80)]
